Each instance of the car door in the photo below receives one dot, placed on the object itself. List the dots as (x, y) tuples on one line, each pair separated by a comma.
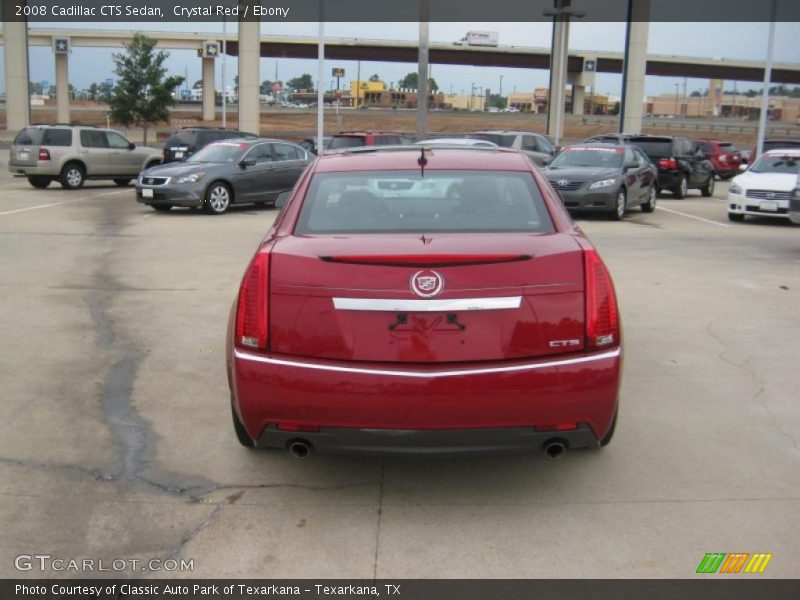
[(290, 161), (94, 152), (649, 170), (252, 178), (530, 148), (634, 177), (123, 160)]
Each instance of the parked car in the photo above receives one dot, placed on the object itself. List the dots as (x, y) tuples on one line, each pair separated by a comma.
[(724, 157), (356, 139), (71, 154), (310, 144), (794, 204), (609, 178), (185, 142), (238, 171), (767, 187), (773, 144), (535, 146), (377, 324), (610, 138), (681, 165)]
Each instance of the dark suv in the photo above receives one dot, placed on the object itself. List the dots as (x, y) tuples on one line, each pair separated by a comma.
[(185, 142), (681, 165), (357, 139)]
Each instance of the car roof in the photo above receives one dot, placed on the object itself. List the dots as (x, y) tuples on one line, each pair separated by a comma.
[(506, 132), (783, 152), (406, 158)]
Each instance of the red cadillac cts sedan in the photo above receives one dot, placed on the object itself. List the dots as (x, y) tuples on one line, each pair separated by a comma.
[(414, 300)]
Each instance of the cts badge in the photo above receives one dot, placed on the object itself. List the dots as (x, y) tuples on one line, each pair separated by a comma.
[(427, 284), (564, 343)]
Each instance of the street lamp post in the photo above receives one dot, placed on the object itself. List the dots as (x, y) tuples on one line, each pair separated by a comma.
[(677, 87)]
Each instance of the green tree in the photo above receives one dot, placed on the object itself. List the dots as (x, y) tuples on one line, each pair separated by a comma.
[(411, 80), (94, 91), (496, 100), (304, 82), (615, 109), (143, 93), (34, 87), (266, 87), (375, 78), (197, 84)]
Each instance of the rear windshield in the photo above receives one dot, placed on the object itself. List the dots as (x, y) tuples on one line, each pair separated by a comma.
[(777, 164), (39, 136), (585, 156), (654, 148), (347, 141), (405, 201), (182, 138), (506, 141)]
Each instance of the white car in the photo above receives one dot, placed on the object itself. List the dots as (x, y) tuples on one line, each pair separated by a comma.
[(766, 188)]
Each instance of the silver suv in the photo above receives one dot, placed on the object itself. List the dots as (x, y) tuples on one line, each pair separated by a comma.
[(72, 154)]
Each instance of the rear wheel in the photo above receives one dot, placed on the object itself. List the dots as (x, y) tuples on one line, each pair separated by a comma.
[(708, 189), (735, 217), (161, 207), (620, 206), (680, 190), (218, 198), (72, 176), (241, 433), (649, 205), (122, 182), (39, 181)]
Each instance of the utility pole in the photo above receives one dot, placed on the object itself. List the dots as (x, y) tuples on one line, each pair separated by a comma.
[(676, 99), (358, 84), (762, 121), (422, 70)]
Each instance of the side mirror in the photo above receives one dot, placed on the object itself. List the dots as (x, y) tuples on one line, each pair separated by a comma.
[(131, 146), (247, 162), (282, 198)]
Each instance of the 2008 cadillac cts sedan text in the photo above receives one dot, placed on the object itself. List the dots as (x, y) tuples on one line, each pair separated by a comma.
[(424, 301)]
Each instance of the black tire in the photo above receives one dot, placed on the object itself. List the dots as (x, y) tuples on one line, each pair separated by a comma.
[(649, 205), (73, 176), (609, 436), (241, 433), (122, 182), (708, 189), (39, 181), (161, 207), (620, 205), (736, 218), (680, 190), (218, 198)]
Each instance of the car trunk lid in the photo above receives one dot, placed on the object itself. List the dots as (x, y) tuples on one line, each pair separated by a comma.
[(508, 296)]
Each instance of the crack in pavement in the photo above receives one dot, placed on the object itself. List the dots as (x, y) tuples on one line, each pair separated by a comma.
[(757, 397)]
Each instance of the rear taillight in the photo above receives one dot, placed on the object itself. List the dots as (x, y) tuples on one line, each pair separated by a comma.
[(44, 154), (668, 163), (602, 320), (251, 310)]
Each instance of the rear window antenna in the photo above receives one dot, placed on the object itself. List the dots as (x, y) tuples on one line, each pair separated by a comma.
[(422, 161)]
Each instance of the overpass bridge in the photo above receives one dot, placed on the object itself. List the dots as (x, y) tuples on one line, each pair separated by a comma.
[(337, 48)]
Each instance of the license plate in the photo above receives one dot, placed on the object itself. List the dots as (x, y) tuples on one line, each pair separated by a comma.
[(769, 205), (23, 155), (179, 155), (147, 193)]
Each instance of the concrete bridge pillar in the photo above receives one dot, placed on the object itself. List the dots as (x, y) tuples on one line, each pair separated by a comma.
[(249, 75), (15, 46)]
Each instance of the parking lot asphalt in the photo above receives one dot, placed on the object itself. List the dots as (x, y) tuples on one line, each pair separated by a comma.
[(117, 442)]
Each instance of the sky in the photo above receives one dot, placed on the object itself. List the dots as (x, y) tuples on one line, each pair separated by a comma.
[(729, 40)]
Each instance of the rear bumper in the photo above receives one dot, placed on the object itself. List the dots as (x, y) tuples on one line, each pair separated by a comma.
[(393, 442), (24, 170), (504, 400)]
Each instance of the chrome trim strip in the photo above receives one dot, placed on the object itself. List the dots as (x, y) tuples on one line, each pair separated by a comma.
[(427, 374), (437, 305)]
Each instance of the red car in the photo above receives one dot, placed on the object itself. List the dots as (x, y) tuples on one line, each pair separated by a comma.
[(725, 157), (411, 300)]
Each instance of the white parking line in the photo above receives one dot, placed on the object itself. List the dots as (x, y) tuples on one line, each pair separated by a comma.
[(38, 206), (688, 216)]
